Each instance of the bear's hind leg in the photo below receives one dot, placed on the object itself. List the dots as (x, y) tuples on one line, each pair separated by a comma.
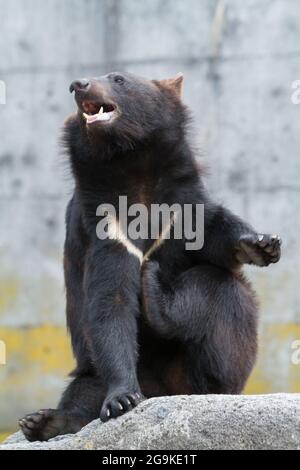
[(213, 312), (80, 404)]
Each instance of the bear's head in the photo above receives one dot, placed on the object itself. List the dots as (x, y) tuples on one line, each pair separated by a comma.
[(125, 110)]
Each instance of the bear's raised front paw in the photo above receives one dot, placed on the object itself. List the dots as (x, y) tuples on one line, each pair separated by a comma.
[(260, 250), (119, 402)]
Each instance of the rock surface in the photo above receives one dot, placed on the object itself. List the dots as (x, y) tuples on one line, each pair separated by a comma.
[(189, 423)]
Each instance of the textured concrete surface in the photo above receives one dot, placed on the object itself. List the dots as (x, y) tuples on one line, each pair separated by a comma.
[(239, 60), (190, 423)]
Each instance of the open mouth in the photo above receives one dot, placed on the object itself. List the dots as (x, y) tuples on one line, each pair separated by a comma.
[(98, 112)]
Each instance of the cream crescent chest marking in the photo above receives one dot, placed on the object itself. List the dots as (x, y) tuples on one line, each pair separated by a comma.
[(115, 232)]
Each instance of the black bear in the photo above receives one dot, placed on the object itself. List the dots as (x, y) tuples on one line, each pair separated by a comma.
[(147, 317)]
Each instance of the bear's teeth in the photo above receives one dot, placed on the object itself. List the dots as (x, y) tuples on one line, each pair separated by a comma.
[(100, 116), (104, 117), (89, 116)]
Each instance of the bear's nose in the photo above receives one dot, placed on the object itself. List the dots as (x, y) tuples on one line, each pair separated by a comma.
[(80, 85)]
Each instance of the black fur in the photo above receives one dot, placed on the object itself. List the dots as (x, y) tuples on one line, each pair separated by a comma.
[(184, 322)]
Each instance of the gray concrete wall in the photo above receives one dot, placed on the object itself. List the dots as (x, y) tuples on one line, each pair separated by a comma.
[(239, 59)]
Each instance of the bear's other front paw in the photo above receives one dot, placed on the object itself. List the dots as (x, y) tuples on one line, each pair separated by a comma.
[(119, 402), (260, 250)]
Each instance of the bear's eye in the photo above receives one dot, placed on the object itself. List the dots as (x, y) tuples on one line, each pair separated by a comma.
[(119, 79)]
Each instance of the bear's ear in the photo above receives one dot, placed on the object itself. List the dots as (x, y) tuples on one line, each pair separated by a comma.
[(175, 84)]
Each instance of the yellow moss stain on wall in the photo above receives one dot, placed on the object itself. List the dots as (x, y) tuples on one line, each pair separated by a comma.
[(38, 361), (4, 435), (275, 371), (47, 347)]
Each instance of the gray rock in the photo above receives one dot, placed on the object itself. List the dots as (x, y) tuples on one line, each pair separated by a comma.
[(189, 423)]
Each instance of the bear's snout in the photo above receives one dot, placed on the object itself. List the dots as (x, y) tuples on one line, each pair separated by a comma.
[(82, 84)]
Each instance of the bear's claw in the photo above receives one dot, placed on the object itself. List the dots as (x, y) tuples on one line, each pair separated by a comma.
[(260, 250)]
